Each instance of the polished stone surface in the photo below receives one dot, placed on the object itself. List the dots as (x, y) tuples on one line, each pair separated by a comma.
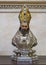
[(6, 60)]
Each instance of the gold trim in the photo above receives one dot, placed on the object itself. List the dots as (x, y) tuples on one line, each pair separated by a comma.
[(14, 6), (22, 2), (19, 4)]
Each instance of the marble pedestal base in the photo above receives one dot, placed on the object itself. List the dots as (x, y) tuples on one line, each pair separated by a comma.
[(24, 60)]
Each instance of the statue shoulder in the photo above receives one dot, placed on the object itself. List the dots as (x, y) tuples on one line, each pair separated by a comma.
[(34, 39), (15, 38), (17, 35), (32, 35)]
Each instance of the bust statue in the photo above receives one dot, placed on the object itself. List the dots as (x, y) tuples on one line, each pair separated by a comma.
[(24, 39)]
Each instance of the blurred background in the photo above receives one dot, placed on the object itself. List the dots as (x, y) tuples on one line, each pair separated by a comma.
[(9, 24)]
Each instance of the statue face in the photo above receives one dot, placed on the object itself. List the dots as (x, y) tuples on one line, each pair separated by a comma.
[(24, 27)]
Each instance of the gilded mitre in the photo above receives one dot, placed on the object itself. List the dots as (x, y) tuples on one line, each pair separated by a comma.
[(24, 15)]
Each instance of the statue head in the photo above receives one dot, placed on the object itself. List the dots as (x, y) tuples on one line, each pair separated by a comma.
[(24, 17)]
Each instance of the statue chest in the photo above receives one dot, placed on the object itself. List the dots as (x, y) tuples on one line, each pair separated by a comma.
[(24, 39)]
